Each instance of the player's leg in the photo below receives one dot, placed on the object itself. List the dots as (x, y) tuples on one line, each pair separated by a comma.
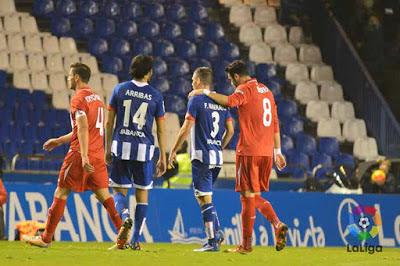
[(121, 202), (103, 195), (218, 232), (55, 214)]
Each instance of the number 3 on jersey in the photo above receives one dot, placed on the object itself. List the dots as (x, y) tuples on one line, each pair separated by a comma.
[(140, 116), (267, 116), (215, 117)]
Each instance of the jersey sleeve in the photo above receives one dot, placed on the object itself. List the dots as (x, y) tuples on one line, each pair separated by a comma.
[(112, 105), (191, 109), (160, 108), (228, 115), (239, 97), (79, 104), (276, 118)]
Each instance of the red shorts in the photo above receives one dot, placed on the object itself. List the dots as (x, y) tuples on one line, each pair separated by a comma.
[(73, 176), (252, 173)]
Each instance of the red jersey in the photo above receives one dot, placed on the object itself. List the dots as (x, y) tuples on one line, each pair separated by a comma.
[(258, 119), (89, 103)]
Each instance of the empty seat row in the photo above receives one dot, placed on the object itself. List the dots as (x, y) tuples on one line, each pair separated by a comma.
[(296, 72), (18, 22), (353, 129), (307, 91), (319, 110)]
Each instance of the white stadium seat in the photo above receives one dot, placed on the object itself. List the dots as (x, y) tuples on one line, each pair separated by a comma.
[(307, 91), (354, 129), (317, 110), (240, 14), (310, 54), (60, 100), (3, 42), (264, 16), (96, 84), (260, 53), (229, 156), (250, 34), (296, 36), (57, 82), (36, 62), (68, 45), (29, 25), (109, 82), (69, 60), (4, 60), (329, 128), (275, 35), (285, 54), (331, 92), (12, 23), (18, 61), (365, 149), (321, 73), (7, 7), (342, 111), (296, 72), (22, 80), (15, 43), (51, 45), (255, 3), (39, 81), (230, 3), (33, 43), (54, 63), (91, 62)]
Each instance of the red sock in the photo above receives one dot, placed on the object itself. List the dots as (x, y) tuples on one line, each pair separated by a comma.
[(112, 212), (265, 207), (56, 211), (248, 219)]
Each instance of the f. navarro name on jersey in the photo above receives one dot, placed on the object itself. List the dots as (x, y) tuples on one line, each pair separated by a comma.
[(138, 94), (92, 98), (214, 142), (134, 133), (215, 107)]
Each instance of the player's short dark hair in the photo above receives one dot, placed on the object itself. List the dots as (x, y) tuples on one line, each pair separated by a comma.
[(205, 75), (141, 65), (82, 70), (237, 67)]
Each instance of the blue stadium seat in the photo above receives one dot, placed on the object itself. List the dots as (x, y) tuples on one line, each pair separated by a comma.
[(111, 9), (34, 165), (321, 158), (346, 160), (82, 27), (171, 31), (230, 51), (127, 29), (88, 8), (175, 104), (214, 31), (299, 164), (132, 11), (43, 8), (62, 117), (192, 31), (24, 147), (112, 64), (218, 66), (185, 49), (21, 164), (10, 148), (65, 7), (329, 146), (306, 144), (60, 26), (251, 66), (163, 48), (224, 87), (275, 89), (160, 67), (149, 28), (265, 70), (181, 87), (198, 62), (287, 109), (142, 46), (98, 46), (161, 84), (176, 12), (208, 50), (292, 127), (198, 13), (287, 145), (38, 99), (154, 10), (120, 47), (177, 67), (104, 27)]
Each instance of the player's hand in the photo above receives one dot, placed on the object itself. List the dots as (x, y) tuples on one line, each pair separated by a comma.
[(280, 161), (172, 159), (196, 92), (161, 167), (86, 165), (108, 158), (50, 144)]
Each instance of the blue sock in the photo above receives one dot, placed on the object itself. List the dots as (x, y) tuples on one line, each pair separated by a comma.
[(140, 219), (208, 219), (216, 221), (121, 204)]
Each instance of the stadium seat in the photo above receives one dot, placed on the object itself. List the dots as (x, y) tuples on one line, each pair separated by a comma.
[(321, 73), (292, 127), (88, 8), (142, 46), (112, 64), (70, 59), (185, 49), (66, 8), (255, 3), (54, 63), (181, 87), (250, 34), (365, 149), (96, 84), (265, 70), (321, 159), (171, 31), (342, 111), (177, 67), (43, 8), (230, 3), (214, 31), (111, 9), (192, 31), (109, 82), (50, 44), (198, 13), (310, 55), (60, 100), (15, 43), (346, 160), (264, 16), (260, 53), (296, 36), (132, 10), (229, 156), (199, 62), (29, 25), (120, 47), (296, 73), (163, 48), (328, 146), (39, 81), (299, 161), (159, 67), (18, 61), (104, 27), (208, 50), (33, 44), (354, 129), (67, 45), (285, 54), (275, 35), (153, 11), (91, 62), (60, 26), (329, 128), (176, 12), (306, 144), (230, 51), (98, 46), (11, 23), (287, 145), (36, 62), (4, 60), (3, 41), (175, 104), (22, 80), (287, 109), (240, 14), (317, 110), (149, 28), (127, 29), (161, 84), (331, 92), (82, 27), (57, 82)]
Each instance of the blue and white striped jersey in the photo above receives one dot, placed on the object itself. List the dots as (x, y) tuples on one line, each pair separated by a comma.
[(206, 135), (136, 105)]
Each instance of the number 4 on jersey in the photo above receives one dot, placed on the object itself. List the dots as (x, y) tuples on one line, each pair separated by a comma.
[(140, 116)]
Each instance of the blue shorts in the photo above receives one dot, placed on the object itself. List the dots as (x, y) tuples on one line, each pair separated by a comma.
[(203, 178), (126, 173)]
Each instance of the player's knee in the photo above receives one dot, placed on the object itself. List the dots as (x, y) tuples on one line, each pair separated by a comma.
[(62, 193), (141, 195), (204, 200), (123, 191)]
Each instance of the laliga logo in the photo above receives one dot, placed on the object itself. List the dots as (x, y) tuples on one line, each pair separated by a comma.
[(363, 225)]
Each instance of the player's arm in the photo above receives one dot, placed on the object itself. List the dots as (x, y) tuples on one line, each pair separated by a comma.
[(279, 159), (109, 131), (236, 99), (83, 137), (161, 137), (230, 130), (182, 136), (50, 144)]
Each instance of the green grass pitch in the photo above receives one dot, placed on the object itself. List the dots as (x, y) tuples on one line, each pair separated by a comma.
[(92, 253)]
